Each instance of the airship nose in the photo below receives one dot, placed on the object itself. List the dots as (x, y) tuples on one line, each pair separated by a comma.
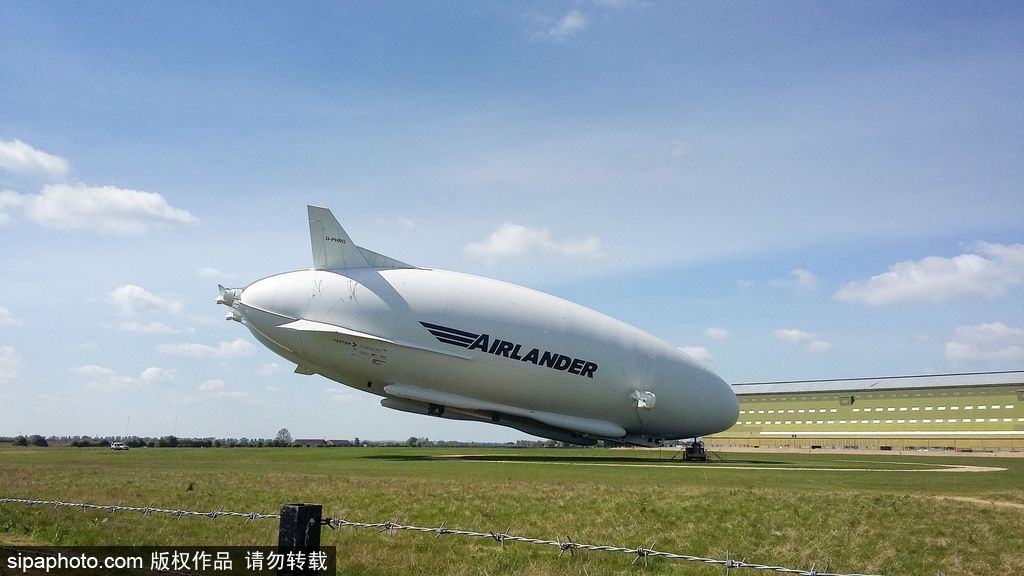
[(260, 295), (726, 408), (271, 301)]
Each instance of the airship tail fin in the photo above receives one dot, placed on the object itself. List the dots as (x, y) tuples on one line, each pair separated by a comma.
[(333, 249)]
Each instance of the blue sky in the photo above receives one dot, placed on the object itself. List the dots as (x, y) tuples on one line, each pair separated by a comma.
[(785, 190)]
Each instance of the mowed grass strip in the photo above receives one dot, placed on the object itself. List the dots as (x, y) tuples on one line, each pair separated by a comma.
[(868, 522)]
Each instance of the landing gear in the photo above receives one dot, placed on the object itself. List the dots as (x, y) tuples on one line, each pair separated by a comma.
[(694, 451)]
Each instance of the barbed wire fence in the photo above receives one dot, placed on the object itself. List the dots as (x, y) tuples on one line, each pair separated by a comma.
[(566, 545)]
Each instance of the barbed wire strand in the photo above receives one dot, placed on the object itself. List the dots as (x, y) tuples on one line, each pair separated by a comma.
[(391, 528)]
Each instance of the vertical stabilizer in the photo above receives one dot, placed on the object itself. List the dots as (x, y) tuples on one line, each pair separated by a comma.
[(332, 247)]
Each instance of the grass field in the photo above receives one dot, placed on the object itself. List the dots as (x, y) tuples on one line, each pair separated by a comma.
[(856, 513)]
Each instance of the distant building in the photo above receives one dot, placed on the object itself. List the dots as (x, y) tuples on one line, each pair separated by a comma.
[(324, 443), (975, 411)]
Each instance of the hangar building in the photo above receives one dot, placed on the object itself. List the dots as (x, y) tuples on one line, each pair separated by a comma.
[(962, 412)]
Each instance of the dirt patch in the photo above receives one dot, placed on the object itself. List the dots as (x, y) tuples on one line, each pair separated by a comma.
[(983, 502)]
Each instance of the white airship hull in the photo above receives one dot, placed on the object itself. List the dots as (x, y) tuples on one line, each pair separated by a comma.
[(465, 347)]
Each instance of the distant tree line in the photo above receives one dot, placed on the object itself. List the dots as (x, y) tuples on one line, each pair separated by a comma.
[(282, 440), (140, 442), (33, 440), (175, 442)]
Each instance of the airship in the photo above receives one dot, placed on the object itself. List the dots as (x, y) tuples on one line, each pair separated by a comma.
[(463, 347)]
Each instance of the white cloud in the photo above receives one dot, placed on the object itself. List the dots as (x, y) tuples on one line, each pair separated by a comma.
[(222, 350), (152, 328), (236, 395), (571, 23), (393, 222), (700, 354), (989, 271), (549, 29), (342, 395), (158, 375), (716, 333), (804, 278), (798, 278), (806, 341), (108, 380), (991, 342), (93, 372), (20, 158), (210, 272), (218, 389), (10, 364), (131, 299), (268, 369), (7, 318), (211, 386), (8, 200), (103, 209), (619, 4), (516, 240)]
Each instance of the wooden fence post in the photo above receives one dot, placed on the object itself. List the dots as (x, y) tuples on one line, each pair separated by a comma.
[(299, 531)]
